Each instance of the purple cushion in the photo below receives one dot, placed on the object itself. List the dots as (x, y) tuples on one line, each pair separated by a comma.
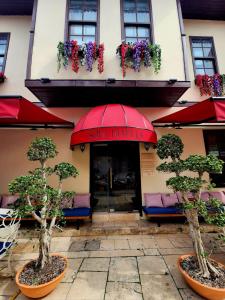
[(190, 195), (8, 199), (219, 195), (204, 196), (153, 200), (67, 202), (179, 196), (169, 200), (81, 200)]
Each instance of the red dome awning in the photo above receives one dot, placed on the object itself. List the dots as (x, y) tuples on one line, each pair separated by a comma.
[(113, 122)]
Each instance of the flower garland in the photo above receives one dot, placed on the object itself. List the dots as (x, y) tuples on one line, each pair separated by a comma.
[(85, 55), (2, 77), (123, 51), (101, 58), (133, 55), (75, 58), (211, 85)]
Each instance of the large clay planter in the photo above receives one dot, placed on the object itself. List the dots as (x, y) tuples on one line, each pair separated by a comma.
[(206, 291), (42, 289)]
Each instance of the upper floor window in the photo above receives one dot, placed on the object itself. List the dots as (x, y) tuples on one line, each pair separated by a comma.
[(83, 20), (136, 18), (204, 56), (4, 41)]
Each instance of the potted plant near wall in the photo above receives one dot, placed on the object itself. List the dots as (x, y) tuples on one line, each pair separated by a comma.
[(39, 277), (205, 276)]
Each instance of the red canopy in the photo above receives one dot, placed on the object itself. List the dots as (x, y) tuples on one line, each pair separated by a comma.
[(15, 111), (208, 111), (113, 122)]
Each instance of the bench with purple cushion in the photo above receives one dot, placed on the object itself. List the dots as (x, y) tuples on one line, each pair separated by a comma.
[(75, 208), (78, 208), (161, 205), (167, 204)]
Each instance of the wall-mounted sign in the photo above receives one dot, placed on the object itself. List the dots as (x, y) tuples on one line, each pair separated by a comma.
[(148, 164)]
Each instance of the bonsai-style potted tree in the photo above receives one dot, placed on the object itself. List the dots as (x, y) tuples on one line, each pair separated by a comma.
[(204, 275), (36, 197)]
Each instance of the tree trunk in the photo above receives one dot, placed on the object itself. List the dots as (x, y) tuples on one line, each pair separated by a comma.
[(44, 247), (205, 266), (192, 217)]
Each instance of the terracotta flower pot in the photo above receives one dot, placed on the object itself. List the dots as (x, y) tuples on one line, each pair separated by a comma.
[(207, 292), (42, 289)]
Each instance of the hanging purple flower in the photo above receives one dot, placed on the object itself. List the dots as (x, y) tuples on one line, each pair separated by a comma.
[(146, 53), (67, 52), (217, 88), (137, 47), (89, 56)]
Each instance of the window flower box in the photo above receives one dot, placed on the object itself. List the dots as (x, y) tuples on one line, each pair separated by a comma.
[(213, 86), (133, 55), (2, 77), (80, 55)]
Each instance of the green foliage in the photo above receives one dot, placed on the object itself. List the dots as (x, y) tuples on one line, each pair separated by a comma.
[(185, 183), (201, 164), (41, 149), (169, 146), (156, 57), (65, 170), (172, 167), (26, 185), (34, 192), (218, 216)]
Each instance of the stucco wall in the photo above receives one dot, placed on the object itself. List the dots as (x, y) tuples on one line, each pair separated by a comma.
[(13, 162), (16, 63), (50, 30), (215, 29), (156, 181)]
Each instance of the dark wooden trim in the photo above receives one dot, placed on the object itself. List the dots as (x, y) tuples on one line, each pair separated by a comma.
[(122, 20), (164, 215), (89, 93), (66, 29), (149, 25), (31, 42), (68, 22), (203, 58), (98, 24), (103, 83), (203, 10), (6, 51), (183, 41)]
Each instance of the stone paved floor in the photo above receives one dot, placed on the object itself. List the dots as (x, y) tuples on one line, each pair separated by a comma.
[(123, 267)]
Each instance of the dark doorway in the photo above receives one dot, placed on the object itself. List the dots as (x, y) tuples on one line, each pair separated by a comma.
[(115, 177)]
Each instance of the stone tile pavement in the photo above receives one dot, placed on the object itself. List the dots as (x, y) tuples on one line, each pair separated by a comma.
[(123, 267)]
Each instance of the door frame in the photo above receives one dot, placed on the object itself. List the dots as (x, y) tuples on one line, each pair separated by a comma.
[(137, 167)]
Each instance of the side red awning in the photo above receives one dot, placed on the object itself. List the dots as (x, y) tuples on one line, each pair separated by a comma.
[(113, 122), (208, 111), (19, 111)]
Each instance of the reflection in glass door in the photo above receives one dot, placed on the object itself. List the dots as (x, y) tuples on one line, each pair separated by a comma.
[(115, 178)]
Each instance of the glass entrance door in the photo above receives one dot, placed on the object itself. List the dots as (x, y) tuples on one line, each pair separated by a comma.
[(115, 178)]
